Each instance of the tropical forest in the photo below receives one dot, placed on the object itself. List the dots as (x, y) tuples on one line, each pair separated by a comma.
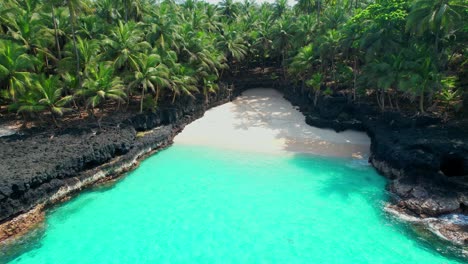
[(233, 131), (64, 57)]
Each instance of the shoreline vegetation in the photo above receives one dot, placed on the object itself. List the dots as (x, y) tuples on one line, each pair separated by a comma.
[(75, 59), (95, 84)]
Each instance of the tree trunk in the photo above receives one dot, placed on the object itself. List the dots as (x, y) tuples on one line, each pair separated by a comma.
[(397, 105), (156, 98), (316, 96), (318, 11), (333, 68), (126, 10), (283, 63), (436, 47), (302, 86), (100, 117), (390, 100), (57, 43), (354, 77), (141, 100), (382, 99), (72, 24), (54, 119), (421, 102)]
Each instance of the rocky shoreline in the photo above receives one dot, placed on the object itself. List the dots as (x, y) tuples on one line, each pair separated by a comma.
[(425, 159), (41, 168)]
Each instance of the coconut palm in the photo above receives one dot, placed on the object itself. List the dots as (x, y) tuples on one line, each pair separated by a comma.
[(209, 86), (88, 53), (183, 81), (435, 16), (151, 74), (228, 8), (26, 25), (316, 84), (101, 85), (282, 32), (421, 79), (15, 68), (125, 43), (232, 44), (302, 64), (75, 7), (45, 94)]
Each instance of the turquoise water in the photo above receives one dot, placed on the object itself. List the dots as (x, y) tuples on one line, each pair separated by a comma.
[(204, 205)]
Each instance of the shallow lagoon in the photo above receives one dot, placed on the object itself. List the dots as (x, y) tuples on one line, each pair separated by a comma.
[(193, 204)]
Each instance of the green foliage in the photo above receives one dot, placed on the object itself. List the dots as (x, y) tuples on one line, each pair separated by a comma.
[(15, 64), (44, 94), (449, 93), (145, 52), (101, 84)]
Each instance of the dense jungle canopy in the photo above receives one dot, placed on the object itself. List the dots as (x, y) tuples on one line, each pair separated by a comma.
[(62, 57)]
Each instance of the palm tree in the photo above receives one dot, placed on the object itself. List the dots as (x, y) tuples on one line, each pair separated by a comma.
[(302, 63), (183, 81), (316, 84), (305, 6), (282, 39), (150, 74), (163, 28), (88, 53), (212, 19), (74, 8), (328, 50), (26, 26), (15, 67), (209, 86), (107, 10), (422, 78), (44, 94), (263, 42), (124, 45), (232, 44), (52, 5), (228, 8), (379, 76), (101, 85), (435, 16), (280, 7)]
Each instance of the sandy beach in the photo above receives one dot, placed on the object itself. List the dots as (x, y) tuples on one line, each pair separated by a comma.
[(261, 120)]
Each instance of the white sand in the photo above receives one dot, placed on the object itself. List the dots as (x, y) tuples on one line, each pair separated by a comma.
[(262, 120)]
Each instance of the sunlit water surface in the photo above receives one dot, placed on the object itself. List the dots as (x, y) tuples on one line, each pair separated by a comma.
[(207, 205)]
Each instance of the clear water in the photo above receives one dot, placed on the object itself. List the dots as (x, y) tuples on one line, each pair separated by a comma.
[(205, 205)]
